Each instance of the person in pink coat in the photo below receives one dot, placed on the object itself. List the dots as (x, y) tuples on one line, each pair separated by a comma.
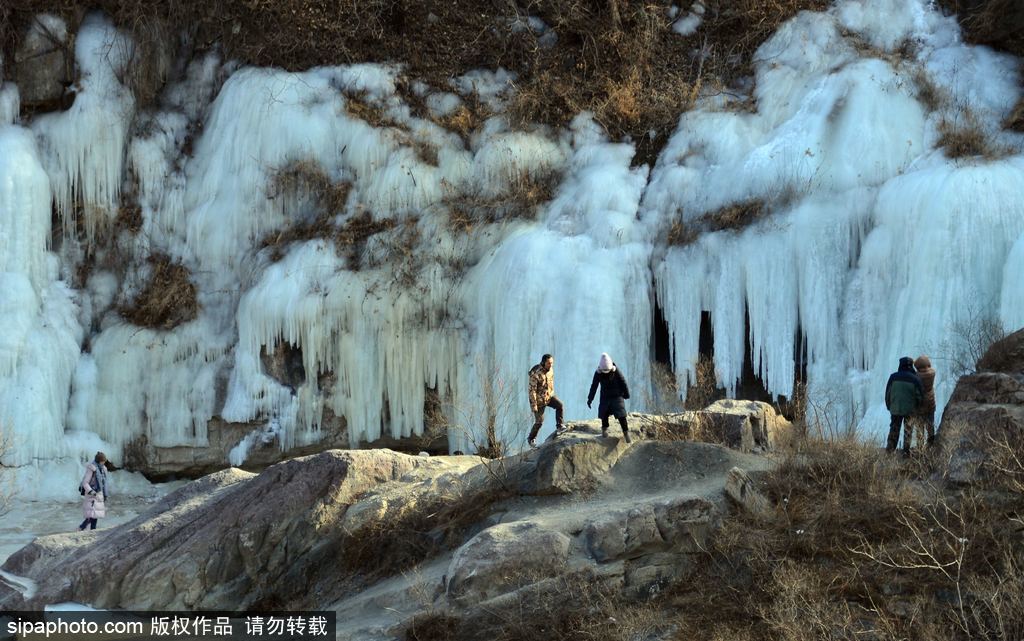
[(94, 491)]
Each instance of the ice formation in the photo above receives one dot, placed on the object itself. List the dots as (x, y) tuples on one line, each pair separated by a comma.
[(873, 243)]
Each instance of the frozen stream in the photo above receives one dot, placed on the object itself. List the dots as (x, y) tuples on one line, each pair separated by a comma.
[(29, 519)]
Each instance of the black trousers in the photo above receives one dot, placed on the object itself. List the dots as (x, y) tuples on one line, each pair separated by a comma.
[(538, 416), (894, 434), (622, 423), (90, 522)]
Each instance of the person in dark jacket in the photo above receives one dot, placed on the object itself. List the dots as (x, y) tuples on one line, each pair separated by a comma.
[(614, 393), (924, 418), (903, 395)]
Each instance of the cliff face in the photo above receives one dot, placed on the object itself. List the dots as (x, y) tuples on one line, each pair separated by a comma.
[(211, 263)]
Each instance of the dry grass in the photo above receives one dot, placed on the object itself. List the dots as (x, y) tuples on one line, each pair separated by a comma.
[(861, 545), (168, 298), (964, 140), (734, 217), (129, 218), (618, 59), (996, 23), (305, 181), (573, 607), (1015, 121), (928, 93), (680, 234), (522, 201), (406, 536), (360, 107)]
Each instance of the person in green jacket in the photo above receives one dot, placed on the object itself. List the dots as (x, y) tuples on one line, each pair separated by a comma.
[(903, 395)]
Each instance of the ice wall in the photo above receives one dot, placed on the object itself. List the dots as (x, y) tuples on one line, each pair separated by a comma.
[(873, 245), (877, 245)]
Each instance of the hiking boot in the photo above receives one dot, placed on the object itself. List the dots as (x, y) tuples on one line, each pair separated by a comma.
[(625, 436), (532, 443), (604, 432)]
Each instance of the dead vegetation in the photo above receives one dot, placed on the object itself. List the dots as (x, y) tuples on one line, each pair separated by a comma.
[(407, 535), (861, 546), (618, 59), (306, 182), (928, 93), (305, 179), (964, 138), (996, 23), (1015, 122), (572, 607), (129, 217), (856, 545), (733, 217), (522, 201), (168, 298)]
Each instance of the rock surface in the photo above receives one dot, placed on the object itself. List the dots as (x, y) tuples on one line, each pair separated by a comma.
[(988, 404), (228, 540), (505, 557), (43, 62), (629, 516)]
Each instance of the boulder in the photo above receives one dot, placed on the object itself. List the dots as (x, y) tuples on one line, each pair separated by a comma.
[(227, 541), (744, 492), (743, 425), (986, 407), (680, 525), (506, 557), (746, 424), (43, 62)]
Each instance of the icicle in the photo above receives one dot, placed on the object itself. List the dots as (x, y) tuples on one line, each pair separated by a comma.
[(84, 147)]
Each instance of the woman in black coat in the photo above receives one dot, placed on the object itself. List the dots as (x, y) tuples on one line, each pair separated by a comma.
[(614, 393)]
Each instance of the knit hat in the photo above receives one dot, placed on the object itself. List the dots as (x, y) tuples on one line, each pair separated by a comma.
[(606, 365)]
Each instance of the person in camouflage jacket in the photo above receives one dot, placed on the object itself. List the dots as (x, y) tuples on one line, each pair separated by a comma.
[(923, 419), (541, 387)]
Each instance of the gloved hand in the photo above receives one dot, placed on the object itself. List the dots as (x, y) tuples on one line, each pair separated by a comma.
[(589, 402)]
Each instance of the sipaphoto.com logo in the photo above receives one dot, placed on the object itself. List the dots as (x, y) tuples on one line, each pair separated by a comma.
[(67, 625), (128, 625)]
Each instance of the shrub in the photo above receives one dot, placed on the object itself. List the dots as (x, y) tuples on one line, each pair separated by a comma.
[(964, 140), (618, 59), (168, 298)]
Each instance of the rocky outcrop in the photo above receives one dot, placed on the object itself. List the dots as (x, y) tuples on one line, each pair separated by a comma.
[(681, 524), (228, 540), (985, 408), (744, 492), (472, 534), (505, 557), (161, 463), (43, 63), (744, 425)]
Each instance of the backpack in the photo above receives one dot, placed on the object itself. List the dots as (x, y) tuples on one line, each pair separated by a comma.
[(94, 484)]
